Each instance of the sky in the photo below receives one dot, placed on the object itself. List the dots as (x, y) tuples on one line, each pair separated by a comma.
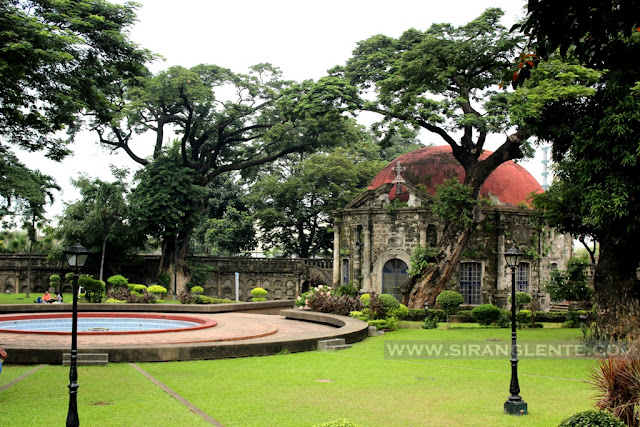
[(302, 38)]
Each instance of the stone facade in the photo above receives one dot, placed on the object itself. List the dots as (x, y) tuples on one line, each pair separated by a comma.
[(375, 238), (282, 278)]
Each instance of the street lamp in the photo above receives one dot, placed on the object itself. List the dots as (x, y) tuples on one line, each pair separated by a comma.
[(76, 257), (514, 405)]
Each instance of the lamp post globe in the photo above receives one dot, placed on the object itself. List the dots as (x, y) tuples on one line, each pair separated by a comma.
[(76, 257), (514, 404)]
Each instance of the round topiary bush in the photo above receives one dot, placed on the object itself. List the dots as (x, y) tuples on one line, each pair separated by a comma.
[(389, 303), (157, 290), (522, 299), (365, 299), (197, 290), (259, 294), (486, 314), (449, 301), (592, 418), (118, 281), (139, 288)]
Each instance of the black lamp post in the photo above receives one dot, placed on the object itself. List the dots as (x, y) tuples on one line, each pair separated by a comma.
[(514, 405), (76, 257)]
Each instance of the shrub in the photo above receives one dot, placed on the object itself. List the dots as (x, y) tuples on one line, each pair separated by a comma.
[(522, 299), (197, 289), (429, 323), (504, 321), (436, 314), (335, 304), (54, 281), (466, 316), (591, 419), (365, 299), (114, 301), (157, 290), (618, 383), (486, 314), (400, 312), (389, 303), (550, 316), (387, 324), (202, 299), (258, 294), (303, 299), (349, 290), (524, 318), (94, 289), (139, 288), (414, 315), (576, 319), (118, 281), (449, 301)]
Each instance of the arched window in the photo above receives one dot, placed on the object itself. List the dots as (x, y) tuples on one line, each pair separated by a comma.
[(522, 277), (394, 274), (345, 271), (471, 282)]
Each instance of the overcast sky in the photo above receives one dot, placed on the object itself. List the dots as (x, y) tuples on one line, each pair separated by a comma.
[(302, 38)]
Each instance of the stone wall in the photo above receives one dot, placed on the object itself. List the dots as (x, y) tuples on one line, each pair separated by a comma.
[(282, 278)]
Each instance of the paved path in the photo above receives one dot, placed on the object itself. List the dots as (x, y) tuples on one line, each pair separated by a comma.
[(230, 327)]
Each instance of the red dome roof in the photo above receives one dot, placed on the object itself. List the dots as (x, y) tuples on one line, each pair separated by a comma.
[(510, 183)]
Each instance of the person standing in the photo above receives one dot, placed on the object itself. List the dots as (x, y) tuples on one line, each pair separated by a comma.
[(3, 355)]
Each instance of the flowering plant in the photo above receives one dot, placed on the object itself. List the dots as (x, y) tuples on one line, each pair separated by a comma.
[(304, 300)]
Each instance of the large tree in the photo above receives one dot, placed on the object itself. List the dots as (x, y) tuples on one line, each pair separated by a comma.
[(444, 80), (293, 197), (224, 122), (596, 141), (100, 219)]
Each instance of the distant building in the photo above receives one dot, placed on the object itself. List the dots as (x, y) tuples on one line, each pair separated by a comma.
[(376, 234)]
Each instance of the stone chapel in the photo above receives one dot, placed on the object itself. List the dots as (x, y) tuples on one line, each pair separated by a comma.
[(376, 233)]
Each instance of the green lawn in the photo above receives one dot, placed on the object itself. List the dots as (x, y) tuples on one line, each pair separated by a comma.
[(304, 389), (67, 298)]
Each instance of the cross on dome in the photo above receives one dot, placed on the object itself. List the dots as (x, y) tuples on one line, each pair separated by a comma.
[(399, 169)]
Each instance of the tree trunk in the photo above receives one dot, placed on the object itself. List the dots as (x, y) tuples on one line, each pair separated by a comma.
[(618, 288), (28, 295), (437, 277), (168, 262), (104, 249)]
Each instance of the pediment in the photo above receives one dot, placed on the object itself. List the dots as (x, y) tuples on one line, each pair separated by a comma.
[(379, 197)]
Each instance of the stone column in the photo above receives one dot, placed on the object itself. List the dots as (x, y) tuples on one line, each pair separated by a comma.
[(356, 256), (423, 235), (366, 261), (336, 253)]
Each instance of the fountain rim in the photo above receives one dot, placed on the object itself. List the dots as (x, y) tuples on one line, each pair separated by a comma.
[(202, 323)]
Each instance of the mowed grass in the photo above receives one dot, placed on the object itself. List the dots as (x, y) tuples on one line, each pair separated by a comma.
[(304, 389), (66, 297)]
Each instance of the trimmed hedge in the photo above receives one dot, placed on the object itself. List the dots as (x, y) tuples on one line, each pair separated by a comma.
[(486, 314), (466, 316), (592, 418)]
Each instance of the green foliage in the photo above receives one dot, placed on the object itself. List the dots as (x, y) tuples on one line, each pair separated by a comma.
[(54, 281), (118, 281), (522, 299), (400, 312), (429, 323), (592, 418), (164, 280), (325, 302), (232, 233), (139, 288), (299, 192), (200, 273), (486, 314), (350, 290), (504, 321), (454, 203), (389, 303), (576, 319), (449, 301), (414, 315), (100, 219), (94, 288), (466, 316), (570, 284), (157, 289), (523, 317), (60, 60), (258, 292), (386, 324), (617, 381), (420, 260), (114, 301), (365, 299), (437, 314), (197, 289)]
